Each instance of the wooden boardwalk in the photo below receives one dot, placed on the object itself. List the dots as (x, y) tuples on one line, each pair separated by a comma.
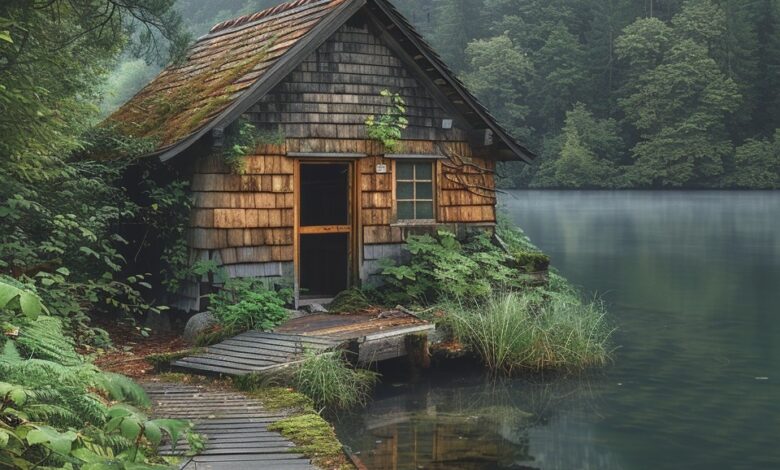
[(372, 337), (253, 352), (235, 428)]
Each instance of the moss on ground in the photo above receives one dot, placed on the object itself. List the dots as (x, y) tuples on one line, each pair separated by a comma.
[(280, 398), (312, 435), (315, 438)]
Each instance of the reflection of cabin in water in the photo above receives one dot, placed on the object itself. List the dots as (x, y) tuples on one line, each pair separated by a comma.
[(322, 203), (422, 435)]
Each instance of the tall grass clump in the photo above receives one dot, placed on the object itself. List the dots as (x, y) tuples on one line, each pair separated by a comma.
[(514, 331), (329, 381)]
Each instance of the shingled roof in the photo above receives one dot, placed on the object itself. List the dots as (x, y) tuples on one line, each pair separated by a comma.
[(241, 60)]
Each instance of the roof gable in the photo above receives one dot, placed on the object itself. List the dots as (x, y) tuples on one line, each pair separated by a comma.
[(241, 60), (331, 93)]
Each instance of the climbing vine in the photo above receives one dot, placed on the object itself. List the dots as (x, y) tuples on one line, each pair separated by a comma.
[(388, 127)]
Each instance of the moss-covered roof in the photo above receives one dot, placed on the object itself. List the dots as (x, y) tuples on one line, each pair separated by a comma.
[(219, 68)]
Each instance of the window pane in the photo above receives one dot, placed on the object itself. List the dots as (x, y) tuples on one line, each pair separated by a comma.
[(405, 191), (424, 191), (425, 210), (405, 210), (405, 170), (424, 171)]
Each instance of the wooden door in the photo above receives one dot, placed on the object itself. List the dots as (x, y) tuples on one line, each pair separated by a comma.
[(325, 232)]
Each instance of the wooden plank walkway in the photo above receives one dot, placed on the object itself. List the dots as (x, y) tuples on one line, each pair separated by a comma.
[(253, 351), (373, 337), (235, 428)]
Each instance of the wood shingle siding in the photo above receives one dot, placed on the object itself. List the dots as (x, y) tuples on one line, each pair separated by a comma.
[(249, 218), (333, 91)]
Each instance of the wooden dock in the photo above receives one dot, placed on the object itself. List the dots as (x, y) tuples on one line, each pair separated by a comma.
[(373, 337), (234, 426)]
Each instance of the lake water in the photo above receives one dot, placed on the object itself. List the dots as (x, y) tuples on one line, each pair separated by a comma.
[(692, 280)]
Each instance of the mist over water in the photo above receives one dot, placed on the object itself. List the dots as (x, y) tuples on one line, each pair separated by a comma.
[(692, 280)]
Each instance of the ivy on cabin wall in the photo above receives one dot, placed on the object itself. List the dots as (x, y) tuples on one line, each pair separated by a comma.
[(388, 127)]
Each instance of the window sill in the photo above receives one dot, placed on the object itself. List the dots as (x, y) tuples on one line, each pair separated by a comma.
[(415, 223)]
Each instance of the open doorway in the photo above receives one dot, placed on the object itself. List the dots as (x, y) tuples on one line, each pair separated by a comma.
[(325, 229)]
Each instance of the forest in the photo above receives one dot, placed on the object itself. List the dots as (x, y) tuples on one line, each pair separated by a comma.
[(608, 94)]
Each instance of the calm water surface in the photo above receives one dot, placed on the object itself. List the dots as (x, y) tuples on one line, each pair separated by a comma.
[(692, 280)]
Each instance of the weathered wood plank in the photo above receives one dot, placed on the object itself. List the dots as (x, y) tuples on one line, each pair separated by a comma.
[(234, 425)]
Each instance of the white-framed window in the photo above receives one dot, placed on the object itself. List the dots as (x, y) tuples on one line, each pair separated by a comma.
[(414, 190)]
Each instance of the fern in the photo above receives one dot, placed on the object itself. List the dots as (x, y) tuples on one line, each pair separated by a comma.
[(120, 388), (43, 339)]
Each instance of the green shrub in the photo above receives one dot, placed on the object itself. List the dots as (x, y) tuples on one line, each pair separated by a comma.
[(244, 305), (328, 380), (532, 330), (442, 267)]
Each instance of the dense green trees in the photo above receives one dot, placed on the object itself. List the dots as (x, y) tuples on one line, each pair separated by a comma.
[(682, 84)]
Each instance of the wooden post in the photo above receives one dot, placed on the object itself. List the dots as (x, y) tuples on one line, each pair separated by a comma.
[(417, 351)]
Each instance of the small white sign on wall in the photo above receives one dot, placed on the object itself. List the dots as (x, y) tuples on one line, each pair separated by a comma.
[(381, 168)]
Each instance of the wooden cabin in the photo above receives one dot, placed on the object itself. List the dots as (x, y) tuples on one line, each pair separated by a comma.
[(319, 203)]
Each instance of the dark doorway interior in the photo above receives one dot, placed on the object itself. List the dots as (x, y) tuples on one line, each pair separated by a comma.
[(325, 229), (324, 265), (324, 194)]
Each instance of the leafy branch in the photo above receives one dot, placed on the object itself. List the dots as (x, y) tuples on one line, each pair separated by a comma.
[(388, 127)]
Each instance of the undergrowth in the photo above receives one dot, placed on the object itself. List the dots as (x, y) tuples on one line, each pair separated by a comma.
[(248, 304), (328, 380), (325, 378), (520, 330), (57, 410), (500, 301)]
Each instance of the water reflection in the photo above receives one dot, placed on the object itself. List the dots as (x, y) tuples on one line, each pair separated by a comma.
[(478, 423), (692, 280)]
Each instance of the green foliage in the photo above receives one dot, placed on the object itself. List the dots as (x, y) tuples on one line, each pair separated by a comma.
[(58, 410), (389, 126), (124, 82), (757, 164), (242, 139), (330, 382), (442, 266), (14, 296), (584, 155), (532, 330), (42, 338), (500, 73), (248, 304), (60, 239), (679, 87), (683, 132), (53, 68), (166, 218)]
